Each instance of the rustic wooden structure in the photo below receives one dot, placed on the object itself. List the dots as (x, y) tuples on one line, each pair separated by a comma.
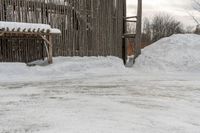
[(89, 28), (11, 29)]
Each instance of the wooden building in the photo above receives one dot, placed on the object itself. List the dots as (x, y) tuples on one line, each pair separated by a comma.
[(89, 28)]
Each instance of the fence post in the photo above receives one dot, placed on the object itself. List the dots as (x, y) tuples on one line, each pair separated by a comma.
[(124, 51), (138, 30), (50, 61)]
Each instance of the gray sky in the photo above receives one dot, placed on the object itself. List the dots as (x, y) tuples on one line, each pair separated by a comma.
[(178, 8)]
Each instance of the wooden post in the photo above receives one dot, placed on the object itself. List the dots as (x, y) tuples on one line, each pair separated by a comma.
[(138, 30), (48, 40), (124, 48), (50, 60)]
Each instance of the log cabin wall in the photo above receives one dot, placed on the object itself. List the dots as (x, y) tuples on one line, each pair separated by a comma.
[(89, 28)]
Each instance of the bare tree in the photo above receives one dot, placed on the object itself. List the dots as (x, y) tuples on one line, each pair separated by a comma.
[(131, 28), (196, 6), (163, 25), (189, 29), (147, 32)]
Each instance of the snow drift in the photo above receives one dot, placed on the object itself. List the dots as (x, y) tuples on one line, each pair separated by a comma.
[(179, 52), (63, 67)]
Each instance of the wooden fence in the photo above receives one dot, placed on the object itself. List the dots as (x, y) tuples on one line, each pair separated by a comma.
[(89, 27)]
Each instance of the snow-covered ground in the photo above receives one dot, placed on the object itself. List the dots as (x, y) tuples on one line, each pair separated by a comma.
[(100, 95)]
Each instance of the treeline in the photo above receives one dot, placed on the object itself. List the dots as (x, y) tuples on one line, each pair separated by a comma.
[(160, 26)]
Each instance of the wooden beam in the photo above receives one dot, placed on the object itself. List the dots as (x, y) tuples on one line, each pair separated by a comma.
[(134, 21), (25, 33), (50, 60), (129, 35), (46, 40), (124, 46), (130, 17), (138, 30)]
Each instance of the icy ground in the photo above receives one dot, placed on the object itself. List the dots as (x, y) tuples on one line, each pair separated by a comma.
[(98, 95)]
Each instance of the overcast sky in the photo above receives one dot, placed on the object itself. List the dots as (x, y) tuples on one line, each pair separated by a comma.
[(178, 8)]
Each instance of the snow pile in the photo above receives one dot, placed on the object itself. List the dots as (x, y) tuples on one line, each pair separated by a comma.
[(178, 53), (62, 68), (55, 31)]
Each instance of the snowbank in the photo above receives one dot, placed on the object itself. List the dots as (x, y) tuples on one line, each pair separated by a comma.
[(178, 53), (62, 68)]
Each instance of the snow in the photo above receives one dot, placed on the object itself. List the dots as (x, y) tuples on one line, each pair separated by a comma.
[(55, 31), (176, 53), (63, 67), (100, 95), (26, 27)]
